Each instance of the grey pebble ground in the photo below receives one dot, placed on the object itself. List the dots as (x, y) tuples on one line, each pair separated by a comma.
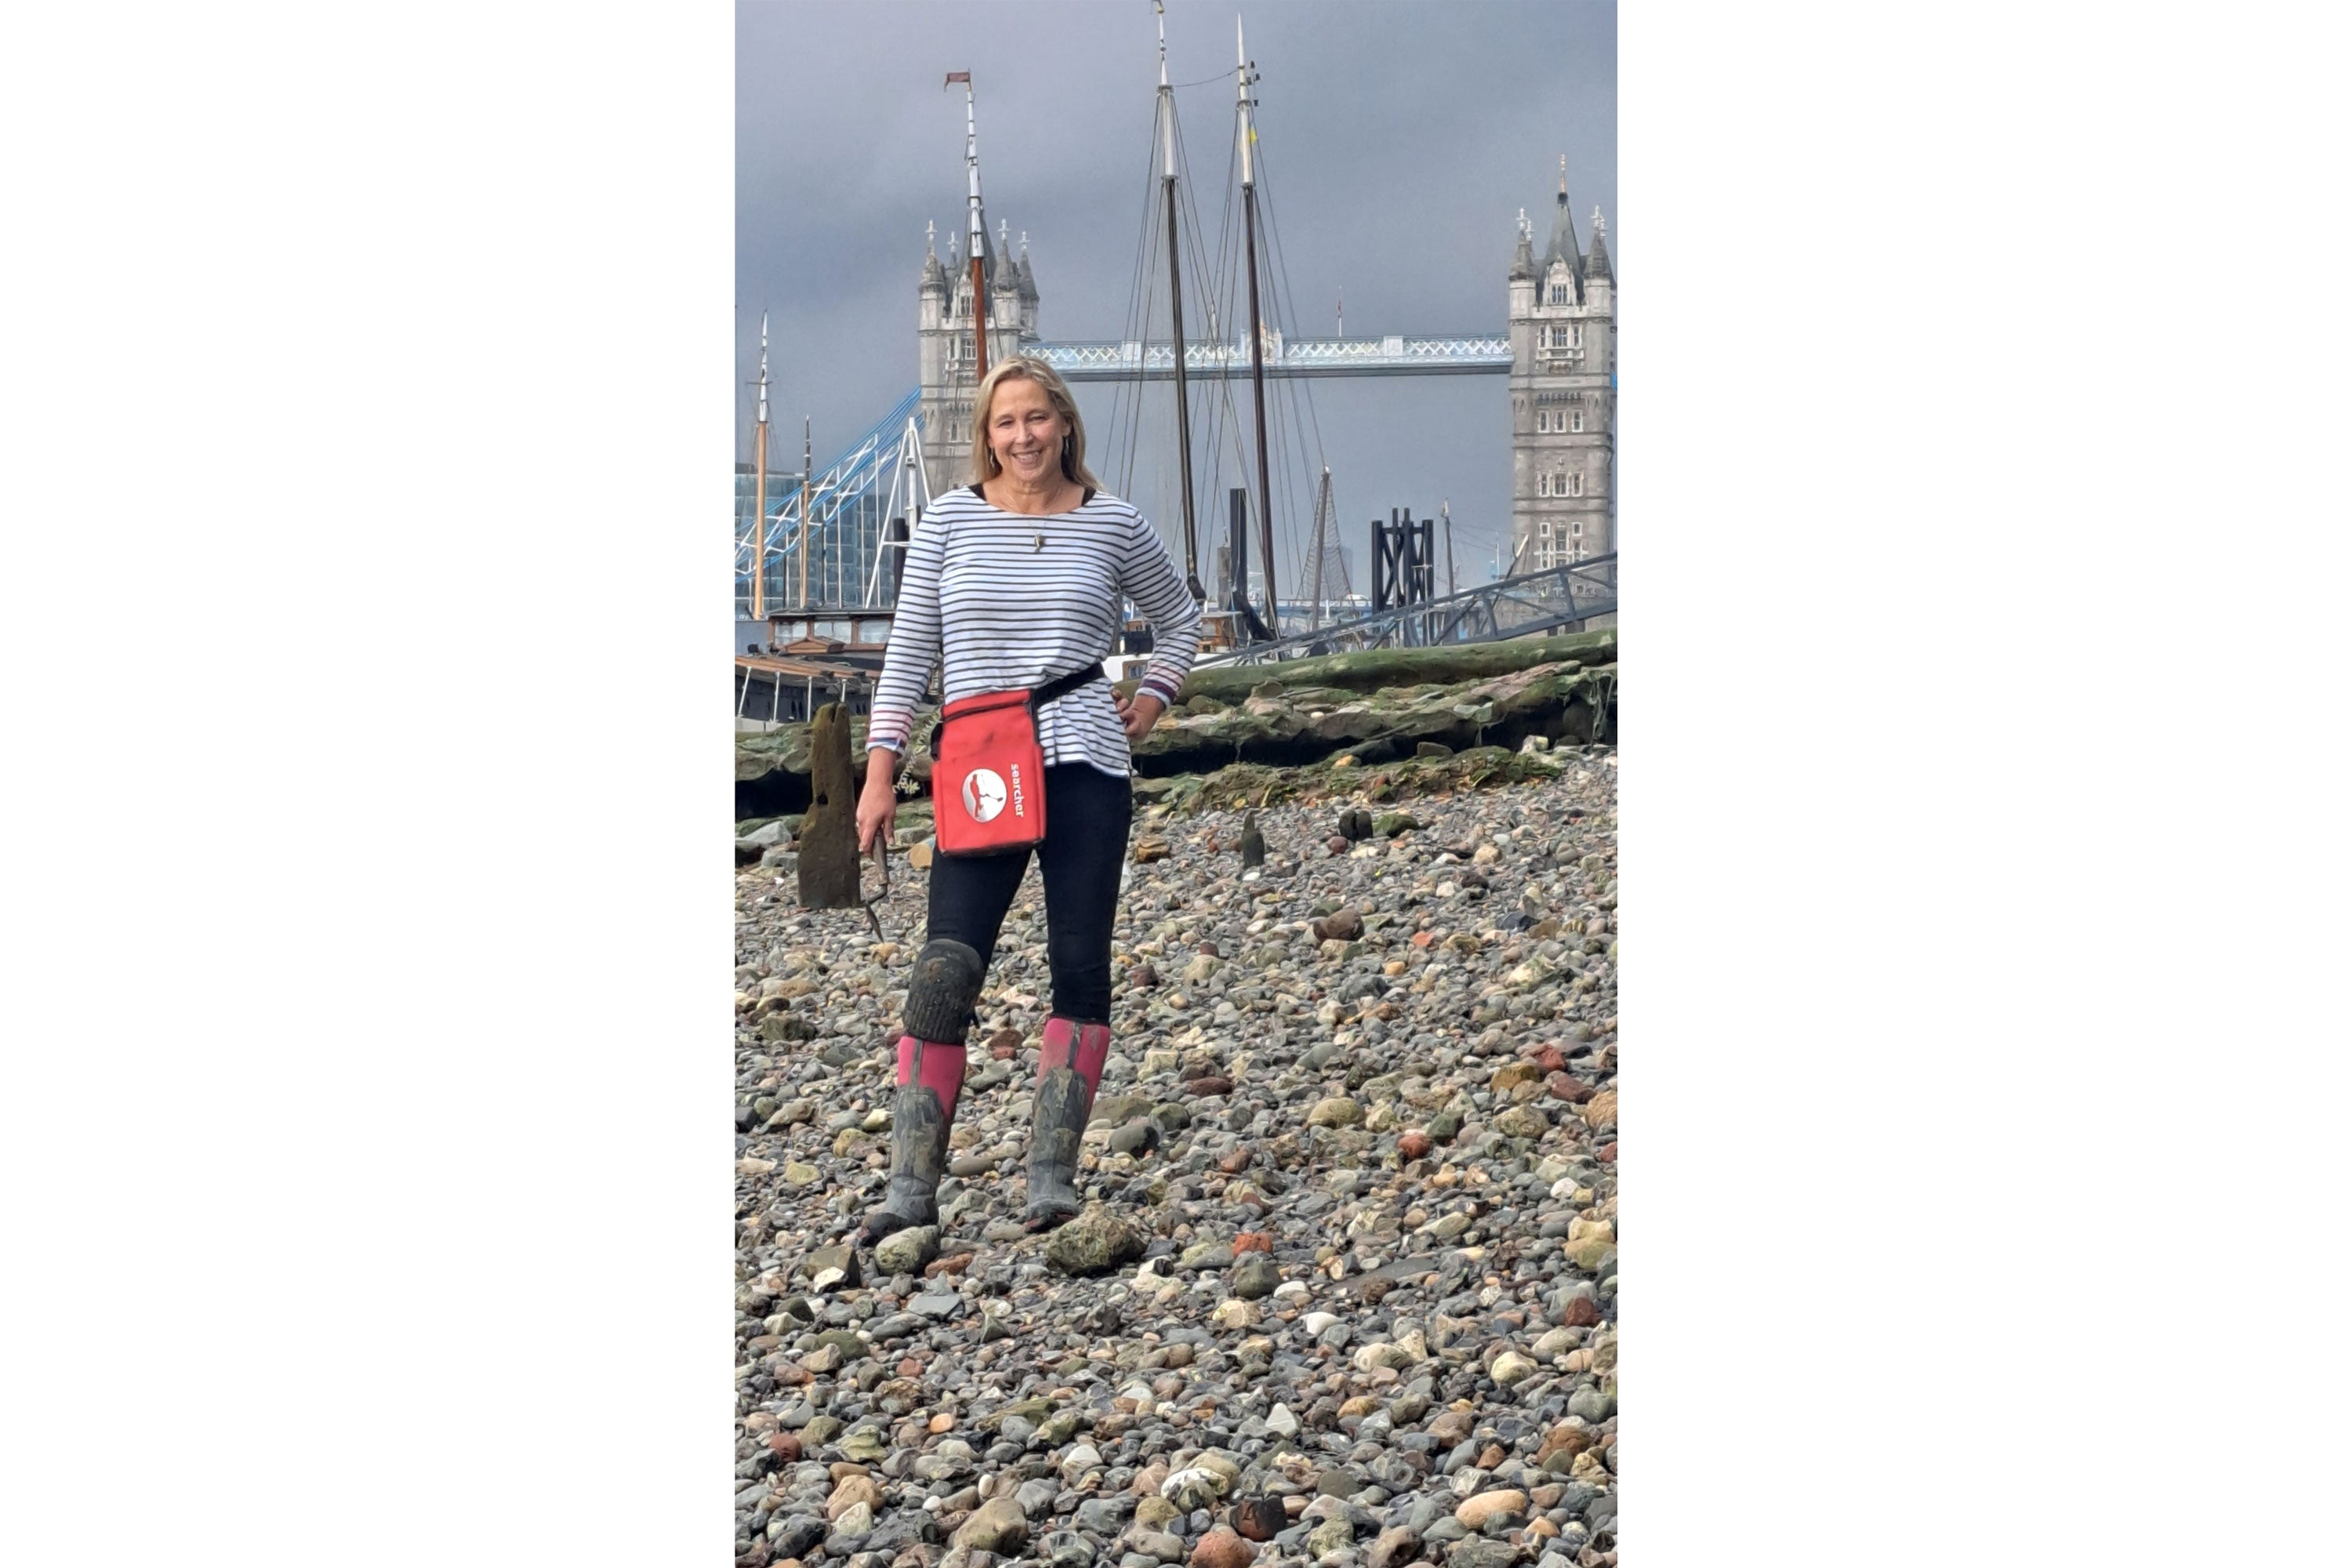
[(1344, 1292)]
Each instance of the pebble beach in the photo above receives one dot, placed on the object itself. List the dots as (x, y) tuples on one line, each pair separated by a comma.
[(1344, 1292)]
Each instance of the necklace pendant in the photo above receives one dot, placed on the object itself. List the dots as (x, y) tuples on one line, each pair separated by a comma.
[(1040, 543)]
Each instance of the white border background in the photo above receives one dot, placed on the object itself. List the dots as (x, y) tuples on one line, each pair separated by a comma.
[(366, 1169)]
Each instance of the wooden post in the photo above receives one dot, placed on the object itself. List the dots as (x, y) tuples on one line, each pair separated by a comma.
[(828, 836)]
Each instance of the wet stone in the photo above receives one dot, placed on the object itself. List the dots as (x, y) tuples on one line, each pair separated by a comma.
[(1254, 1275)]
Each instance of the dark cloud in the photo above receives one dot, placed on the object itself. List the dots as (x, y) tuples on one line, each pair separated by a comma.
[(1400, 141)]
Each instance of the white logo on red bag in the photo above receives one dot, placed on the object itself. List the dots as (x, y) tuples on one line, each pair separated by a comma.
[(983, 794), (1017, 808)]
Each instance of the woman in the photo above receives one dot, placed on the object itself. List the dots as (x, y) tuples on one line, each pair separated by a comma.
[(1009, 583)]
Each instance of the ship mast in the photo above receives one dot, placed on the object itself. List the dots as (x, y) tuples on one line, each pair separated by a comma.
[(979, 232), (760, 489), (1167, 110), (1257, 336), (804, 509)]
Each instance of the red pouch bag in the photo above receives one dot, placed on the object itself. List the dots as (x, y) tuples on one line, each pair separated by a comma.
[(988, 771)]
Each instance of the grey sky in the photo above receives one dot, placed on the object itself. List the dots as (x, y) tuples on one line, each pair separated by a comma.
[(1401, 138)]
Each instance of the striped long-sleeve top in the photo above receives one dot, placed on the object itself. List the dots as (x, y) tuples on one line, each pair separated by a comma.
[(1001, 599)]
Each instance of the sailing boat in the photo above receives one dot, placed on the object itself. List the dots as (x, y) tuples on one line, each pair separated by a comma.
[(1233, 619)]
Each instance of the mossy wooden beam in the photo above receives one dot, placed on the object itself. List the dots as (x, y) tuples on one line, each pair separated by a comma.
[(1376, 668)]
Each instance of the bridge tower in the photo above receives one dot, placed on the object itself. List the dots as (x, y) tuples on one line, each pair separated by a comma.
[(1563, 398), (943, 335)]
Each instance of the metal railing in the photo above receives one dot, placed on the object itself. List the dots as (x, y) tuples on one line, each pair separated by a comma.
[(1511, 607), (1458, 354)]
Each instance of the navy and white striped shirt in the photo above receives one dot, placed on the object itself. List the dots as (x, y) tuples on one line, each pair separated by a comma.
[(1004, 600)]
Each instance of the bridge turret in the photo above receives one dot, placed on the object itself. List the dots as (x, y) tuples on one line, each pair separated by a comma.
[(1521, 323), (1523, 270), (1599, 281), (1003, 297), (1028, 283), (943, 362), (1563, 405), (931, 293)]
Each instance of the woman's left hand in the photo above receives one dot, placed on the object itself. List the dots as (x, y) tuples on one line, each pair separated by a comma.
[(1139, 712)]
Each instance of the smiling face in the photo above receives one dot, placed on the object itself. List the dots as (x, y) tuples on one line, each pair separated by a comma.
[(1024, 434)]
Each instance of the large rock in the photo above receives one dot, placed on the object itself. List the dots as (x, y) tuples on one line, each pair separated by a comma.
[(1474, 1513), (1096, 1242), (906, 1251), (828, 845), (1340, 925), (1223, 1549), (831, 1266), (1260, 1518), (1339, 1110), (999, 1526)]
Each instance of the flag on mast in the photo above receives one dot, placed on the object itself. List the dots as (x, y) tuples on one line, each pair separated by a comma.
[(957, 76)]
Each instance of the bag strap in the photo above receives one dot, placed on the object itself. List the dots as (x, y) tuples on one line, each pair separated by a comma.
[(1061, 685)]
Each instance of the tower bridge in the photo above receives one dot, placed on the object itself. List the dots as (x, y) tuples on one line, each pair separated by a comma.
[(1558, 349)]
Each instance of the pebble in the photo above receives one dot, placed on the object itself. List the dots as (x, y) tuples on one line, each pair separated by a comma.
[(1223, 1549), (1256, 1276), (1474, 1513), (1323, 1255), (999, 1527), (907, 1252)]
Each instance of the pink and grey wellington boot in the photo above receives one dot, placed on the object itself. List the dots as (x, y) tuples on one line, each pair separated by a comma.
[(930, 1076), (1069, 1069)]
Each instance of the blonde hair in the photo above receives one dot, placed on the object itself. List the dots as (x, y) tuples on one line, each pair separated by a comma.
[(984, 465)]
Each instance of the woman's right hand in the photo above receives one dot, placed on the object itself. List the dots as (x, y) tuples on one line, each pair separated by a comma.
[(877, 802)]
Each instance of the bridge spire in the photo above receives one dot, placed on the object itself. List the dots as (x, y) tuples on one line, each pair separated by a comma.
[(1563, 246), (934, 276)]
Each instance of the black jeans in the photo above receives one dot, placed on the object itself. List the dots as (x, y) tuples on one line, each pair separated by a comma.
[(1088, 812)]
